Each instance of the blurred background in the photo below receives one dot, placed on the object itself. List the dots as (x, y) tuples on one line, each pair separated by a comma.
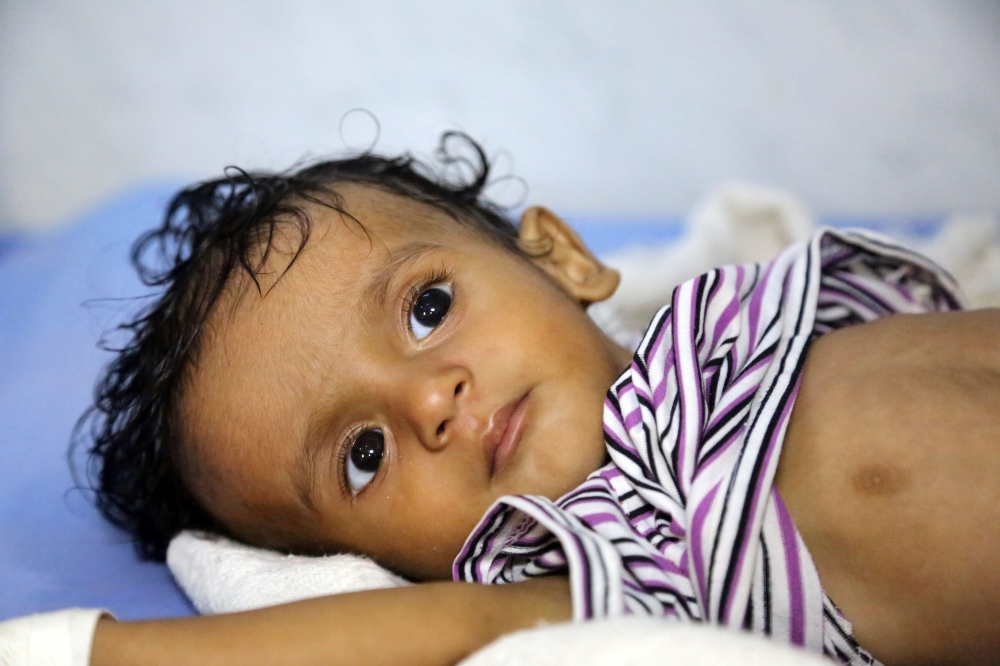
[(625, 109), (628, 117)]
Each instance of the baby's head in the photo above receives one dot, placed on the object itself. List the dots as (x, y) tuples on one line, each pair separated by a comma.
[(359, 356)]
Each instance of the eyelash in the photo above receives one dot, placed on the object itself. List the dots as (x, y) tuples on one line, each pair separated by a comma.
[(438, 276), (344, 452)]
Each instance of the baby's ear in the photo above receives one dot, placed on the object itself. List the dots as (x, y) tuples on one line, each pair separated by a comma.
[(557, 249)]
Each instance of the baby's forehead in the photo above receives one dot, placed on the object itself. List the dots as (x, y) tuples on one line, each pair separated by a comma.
[(370, 209), (359, 231), (315, 275)]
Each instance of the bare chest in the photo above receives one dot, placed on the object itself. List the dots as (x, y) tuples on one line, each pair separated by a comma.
[(891, 471), (900, 406)]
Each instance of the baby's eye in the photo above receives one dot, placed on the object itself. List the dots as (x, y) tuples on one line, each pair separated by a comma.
[(429, 310), (364, 458)]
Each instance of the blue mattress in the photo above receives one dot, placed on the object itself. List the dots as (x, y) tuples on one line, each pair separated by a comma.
[(58, 293), (55, 550)]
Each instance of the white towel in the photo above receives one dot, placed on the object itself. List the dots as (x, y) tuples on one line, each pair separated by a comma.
[(222, 576)]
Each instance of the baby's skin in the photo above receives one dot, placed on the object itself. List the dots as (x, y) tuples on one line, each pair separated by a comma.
[(403, 374)]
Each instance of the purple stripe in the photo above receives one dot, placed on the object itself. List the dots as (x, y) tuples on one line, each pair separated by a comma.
[(697, 523), (577, 544), (610, 473), (468, 548), (628, 387), (660, 392), (682, 394), (833, 258), (727, 316), (647, 511), (794, 569), (732, 402), (641, 394), (865, 287), (755, 365)]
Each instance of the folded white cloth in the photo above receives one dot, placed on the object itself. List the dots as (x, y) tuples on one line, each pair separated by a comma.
[(637, 641), (742, 223), (222, 576), (738, 224), (62, 638)]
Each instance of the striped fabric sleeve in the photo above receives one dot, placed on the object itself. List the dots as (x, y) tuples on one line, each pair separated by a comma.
[(684, 521)]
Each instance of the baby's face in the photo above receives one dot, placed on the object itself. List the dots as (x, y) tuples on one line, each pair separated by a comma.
[(391, 385)]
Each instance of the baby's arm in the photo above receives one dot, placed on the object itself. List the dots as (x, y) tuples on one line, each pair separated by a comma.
[(431, 623)]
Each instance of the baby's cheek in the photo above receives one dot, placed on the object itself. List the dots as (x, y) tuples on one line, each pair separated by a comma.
[(428, 532)]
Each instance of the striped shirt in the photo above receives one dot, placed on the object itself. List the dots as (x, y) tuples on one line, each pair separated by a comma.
[(684, 522)]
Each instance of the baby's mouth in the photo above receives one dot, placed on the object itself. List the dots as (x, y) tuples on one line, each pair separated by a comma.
[(504, 433)]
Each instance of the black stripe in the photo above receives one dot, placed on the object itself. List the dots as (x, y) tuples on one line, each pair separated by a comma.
[(736, 411), (767, 609)]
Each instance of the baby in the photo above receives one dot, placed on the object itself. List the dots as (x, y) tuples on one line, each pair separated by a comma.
[(364, 356)]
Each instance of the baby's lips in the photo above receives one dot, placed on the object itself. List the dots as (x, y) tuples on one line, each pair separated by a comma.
[(493, 436), (511, 437)]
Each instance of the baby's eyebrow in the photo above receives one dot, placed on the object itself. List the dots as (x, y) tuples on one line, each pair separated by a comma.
[(373, 297)]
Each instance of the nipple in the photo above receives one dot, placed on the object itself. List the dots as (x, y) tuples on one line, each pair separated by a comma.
[(880, 480)]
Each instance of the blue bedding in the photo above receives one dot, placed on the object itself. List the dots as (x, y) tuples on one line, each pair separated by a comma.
[(58, 294), (55, 550)]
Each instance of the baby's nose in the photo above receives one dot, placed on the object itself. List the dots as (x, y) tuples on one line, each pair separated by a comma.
[(437, 407)]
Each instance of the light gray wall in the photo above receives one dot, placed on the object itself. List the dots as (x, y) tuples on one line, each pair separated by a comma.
[(631, 108)]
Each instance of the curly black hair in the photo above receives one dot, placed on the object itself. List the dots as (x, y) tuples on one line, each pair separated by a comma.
[(211, 231)]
